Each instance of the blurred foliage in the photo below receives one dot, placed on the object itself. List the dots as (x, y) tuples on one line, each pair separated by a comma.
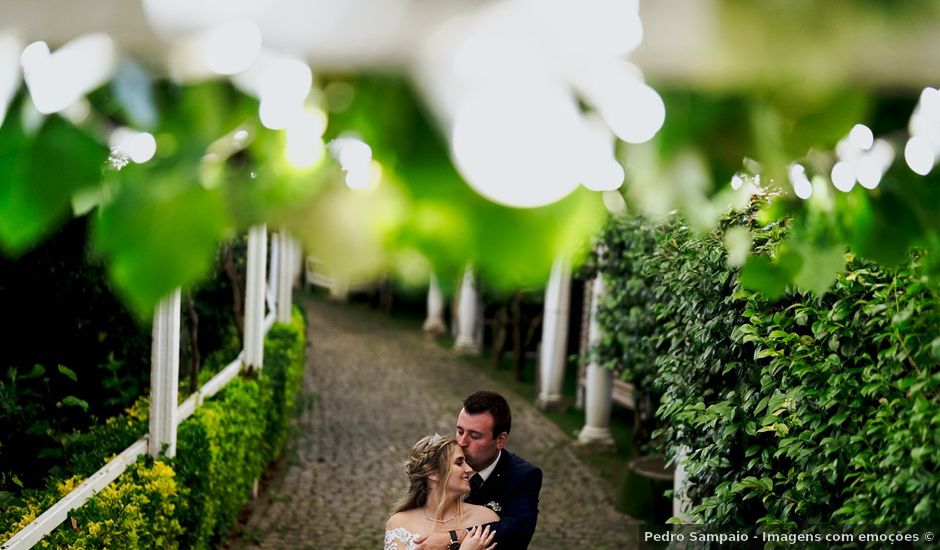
[(157, 225), (442, 224), (814, 44), (39, 172), (756, 135)]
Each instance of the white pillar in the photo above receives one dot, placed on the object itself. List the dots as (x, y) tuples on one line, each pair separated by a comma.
[(434, 323), (681, 505), (339, 288), (554, 334), (164, 375), (254, 296), (599, 384), (297, 255), (285, 277), (467, 316), (272, 268)]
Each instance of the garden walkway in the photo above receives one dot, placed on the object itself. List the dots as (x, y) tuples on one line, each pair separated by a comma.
[(372, 387)]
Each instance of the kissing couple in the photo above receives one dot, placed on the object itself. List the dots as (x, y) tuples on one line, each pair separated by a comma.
[(467, 492)]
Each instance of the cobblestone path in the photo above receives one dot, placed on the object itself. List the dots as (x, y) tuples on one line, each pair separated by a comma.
[(377, 385)]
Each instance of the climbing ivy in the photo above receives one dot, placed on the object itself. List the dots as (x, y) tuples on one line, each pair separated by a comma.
[(804, 409)]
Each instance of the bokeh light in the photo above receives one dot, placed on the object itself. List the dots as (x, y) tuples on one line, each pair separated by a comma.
[(518, 145), (232, 47), (305, 145), (57, 80), (10, 49), (843, 176), (861, 137), (802, 187), (919, 155), (139, 147)]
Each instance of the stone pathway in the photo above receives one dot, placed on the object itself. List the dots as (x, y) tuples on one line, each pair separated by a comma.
[(373, 387)]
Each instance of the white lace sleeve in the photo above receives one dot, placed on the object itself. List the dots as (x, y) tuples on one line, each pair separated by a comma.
[(399, 539)]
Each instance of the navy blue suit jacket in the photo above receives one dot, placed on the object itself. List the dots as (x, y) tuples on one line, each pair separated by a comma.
[(512, 491)]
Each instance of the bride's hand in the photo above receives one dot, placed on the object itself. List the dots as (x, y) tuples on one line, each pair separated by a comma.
[(479, 538)]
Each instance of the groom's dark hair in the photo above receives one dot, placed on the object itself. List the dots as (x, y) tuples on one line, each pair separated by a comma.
[(493, 403)]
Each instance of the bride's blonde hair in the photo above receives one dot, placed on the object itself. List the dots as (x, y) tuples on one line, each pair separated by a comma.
[(431, 455)]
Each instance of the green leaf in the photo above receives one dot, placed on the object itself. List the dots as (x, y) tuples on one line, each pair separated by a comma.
[(72, 401), (68, 372), (767, 277), (820, 266), (766, 352), (159, 233), (935, 348), (884, 228), (50, 452), (38, 175), (37, 371), (839, 418)]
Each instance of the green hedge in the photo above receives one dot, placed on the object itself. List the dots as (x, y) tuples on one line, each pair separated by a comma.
[(192, 500), (797, 411)]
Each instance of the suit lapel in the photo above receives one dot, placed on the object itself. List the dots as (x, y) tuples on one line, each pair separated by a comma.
[(487, 491)]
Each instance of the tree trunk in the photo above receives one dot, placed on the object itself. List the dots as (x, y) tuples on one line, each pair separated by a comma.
[(194, 359), (238, 288)]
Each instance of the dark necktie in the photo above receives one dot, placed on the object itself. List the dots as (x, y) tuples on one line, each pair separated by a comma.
[(475, 481)]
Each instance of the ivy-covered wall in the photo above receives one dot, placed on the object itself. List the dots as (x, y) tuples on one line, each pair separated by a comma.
[(806, 409), (193, 499)]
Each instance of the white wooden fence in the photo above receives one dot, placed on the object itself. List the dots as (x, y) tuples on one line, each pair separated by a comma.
[(165, 412)]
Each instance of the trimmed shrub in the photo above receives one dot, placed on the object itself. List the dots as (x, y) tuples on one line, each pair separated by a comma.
[(193, 499), (798, 411), (137, 510)]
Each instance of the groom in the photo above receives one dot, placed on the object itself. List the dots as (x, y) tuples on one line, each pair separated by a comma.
[(503, 481)]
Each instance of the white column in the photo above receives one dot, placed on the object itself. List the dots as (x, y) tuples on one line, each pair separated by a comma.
[(339, 288), (254, 296), (285, 277), (299, 258), (599, 384), (164, 375), (554, 334), (273, 268), (434, 323), (467, 316), (680, 502)]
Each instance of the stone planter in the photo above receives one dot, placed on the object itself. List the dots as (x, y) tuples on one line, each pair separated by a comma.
[(641, 495)]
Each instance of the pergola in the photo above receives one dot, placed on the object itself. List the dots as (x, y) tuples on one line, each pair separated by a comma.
[(692, 42)]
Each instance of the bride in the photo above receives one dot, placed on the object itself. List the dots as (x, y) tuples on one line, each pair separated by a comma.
[(439, 478)]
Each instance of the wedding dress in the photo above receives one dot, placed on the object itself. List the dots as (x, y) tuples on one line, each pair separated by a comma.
[(400, 539)]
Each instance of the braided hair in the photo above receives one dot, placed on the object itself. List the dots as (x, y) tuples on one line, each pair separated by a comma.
[(432, 454)]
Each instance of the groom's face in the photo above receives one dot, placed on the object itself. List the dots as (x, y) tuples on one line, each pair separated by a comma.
[(475, 437)]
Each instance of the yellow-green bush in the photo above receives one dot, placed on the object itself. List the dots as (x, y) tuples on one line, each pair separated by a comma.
[(137, 510)]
